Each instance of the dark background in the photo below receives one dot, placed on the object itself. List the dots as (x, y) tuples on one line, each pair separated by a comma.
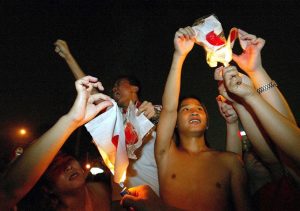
[(109, 38)]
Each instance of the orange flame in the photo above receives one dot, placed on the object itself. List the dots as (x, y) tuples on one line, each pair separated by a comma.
[(110, 165)]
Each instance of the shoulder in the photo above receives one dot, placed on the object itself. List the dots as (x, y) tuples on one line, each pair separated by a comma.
[(99, 188), (231, 159)]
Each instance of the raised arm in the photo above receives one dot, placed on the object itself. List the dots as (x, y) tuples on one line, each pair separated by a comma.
[(250, 123), (233, 140), (25, 172), (61, 47), (183, 42), (250, 62), (282, 131)]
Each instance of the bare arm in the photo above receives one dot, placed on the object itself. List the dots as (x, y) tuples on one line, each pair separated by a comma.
[(238, 185), (233, 140), (283, 132), (30, 166), (250, 62), (249, 121), (183, 42), (61, 47)]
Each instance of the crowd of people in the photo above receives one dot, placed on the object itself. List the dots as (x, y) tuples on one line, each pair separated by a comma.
[(175, 169)]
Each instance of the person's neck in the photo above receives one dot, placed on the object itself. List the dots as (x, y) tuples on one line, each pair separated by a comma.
[(193, 144), (74, 200)]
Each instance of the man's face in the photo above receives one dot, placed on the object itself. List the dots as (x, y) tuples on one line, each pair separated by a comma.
[(191, 116), (123, 92), (65, 174)]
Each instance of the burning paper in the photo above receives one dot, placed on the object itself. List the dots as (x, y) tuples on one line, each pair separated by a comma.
[(108, 135), (210, 35), (117, 138)]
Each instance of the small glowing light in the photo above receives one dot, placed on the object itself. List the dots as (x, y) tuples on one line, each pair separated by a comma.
[(242, 133), (18, 151), (88, 166), (22, 131), (96, 170)]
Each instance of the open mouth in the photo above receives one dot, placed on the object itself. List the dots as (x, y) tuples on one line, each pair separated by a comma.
[(195, 121), (73, 176)]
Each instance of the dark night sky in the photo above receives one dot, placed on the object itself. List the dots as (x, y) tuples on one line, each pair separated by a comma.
[(110, 37)]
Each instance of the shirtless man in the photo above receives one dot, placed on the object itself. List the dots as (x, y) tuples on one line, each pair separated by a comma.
[(191, 175)]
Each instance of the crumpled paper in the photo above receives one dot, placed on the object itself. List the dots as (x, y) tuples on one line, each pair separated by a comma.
[(210, 35), (136, 127)]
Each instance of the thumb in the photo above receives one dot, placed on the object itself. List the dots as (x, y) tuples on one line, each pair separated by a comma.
[(103, 105), (131, 201)]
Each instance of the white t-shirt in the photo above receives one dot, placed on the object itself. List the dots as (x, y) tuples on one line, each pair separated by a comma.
[(141, 171)]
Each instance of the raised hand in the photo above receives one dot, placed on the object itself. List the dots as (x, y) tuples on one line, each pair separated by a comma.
[(226, 110), (218, 75), (250, 59), (234, 83), (86, 105), (61, 47), (184, 40)]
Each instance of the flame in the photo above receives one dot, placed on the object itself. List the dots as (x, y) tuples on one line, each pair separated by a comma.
[(106, 160), (210, 35), (111, 166), (123, 178)]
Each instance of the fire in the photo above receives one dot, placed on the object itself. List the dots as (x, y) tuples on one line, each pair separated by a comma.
[(210, 35), (222, 54), (111, 166)]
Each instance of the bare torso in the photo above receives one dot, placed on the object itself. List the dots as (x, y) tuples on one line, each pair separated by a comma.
[(97, 198), (198, 181)]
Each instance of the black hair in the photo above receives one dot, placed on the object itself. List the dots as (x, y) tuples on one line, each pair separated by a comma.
[(132, 79)]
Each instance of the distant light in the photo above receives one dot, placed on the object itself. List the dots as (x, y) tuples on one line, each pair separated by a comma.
[(242, 133), (96, 170), (87, 166), (22, 132), (18, 151)]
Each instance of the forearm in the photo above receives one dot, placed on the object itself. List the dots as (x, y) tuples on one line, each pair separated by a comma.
[(172, 87), (255, 135), (35, 160), (233, 141), (283, 132), (168, 115), (273, 96), (74, 67), (76, 70)]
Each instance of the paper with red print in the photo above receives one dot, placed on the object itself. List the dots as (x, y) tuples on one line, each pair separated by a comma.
[(210, 35), (108, 135), (136, 127)]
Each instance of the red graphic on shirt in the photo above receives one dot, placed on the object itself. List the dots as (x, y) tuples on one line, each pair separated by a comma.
[(214, 39), (115, 140), (131, 136)]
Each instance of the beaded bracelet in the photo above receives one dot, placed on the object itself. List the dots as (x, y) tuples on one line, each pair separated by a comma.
[(266, 87)]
